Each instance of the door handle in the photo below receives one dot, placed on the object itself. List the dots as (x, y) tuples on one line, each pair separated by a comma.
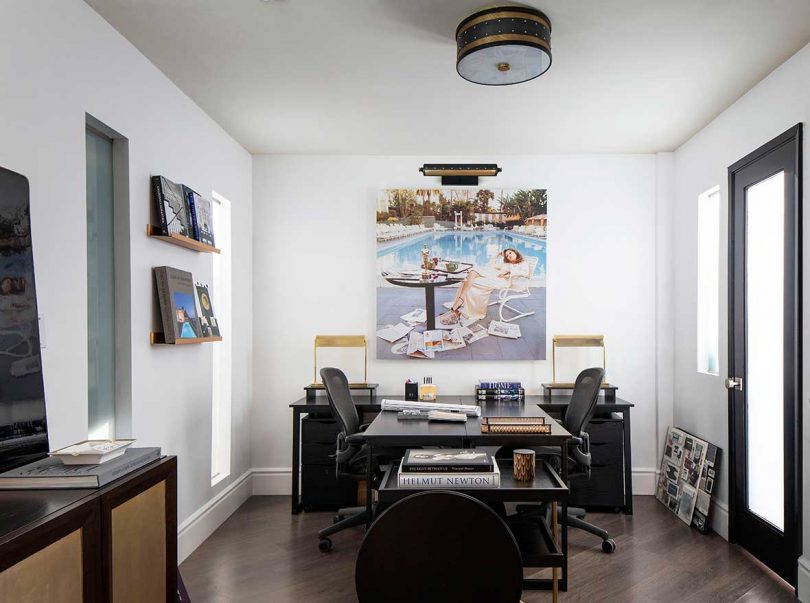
[(734, 383)]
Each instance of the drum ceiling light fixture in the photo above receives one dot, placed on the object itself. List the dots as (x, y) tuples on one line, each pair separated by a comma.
[(503, 45)]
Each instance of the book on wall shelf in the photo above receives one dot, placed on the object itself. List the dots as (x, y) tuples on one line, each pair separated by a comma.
[(172, 207), (178, 309), (208, 322), (184, 216), (200, 210)]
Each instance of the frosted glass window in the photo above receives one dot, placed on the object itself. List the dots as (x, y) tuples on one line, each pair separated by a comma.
[(100, 287), (764, 379), (708, 282), (221, 299)]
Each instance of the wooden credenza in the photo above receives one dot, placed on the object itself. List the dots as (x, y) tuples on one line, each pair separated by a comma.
[(117, 543)]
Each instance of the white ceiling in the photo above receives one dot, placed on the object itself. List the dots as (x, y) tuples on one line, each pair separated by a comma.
[(378, 76)]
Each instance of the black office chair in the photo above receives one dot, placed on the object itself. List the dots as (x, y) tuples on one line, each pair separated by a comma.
[(440, 546), (351, 454), (579, 413)]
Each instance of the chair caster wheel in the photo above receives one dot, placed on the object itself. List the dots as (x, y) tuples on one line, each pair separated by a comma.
[(338, 518), (325, 545), (608, 546)]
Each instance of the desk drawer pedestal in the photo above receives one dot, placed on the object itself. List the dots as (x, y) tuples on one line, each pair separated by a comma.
[(605, 488), (320, 487)]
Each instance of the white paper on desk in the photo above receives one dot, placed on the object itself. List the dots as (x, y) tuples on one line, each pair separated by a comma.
[(393, 332)]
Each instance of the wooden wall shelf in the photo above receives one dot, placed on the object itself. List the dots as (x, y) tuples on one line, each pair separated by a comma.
[(175, 239), (157, 338)]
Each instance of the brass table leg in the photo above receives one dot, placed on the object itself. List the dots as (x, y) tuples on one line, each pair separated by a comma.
[(554, 570)]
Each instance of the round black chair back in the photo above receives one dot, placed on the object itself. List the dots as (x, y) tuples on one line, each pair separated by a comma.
[(439, 546)]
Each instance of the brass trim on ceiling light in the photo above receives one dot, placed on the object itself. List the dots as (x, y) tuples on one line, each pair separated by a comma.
[(532, 40), (504, 15)]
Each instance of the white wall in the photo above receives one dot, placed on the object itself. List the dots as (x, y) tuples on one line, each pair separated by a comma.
[(314, 264), (778, 102), (58, 60)]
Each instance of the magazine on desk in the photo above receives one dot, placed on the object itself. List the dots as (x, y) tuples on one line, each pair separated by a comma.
[(447, 460)]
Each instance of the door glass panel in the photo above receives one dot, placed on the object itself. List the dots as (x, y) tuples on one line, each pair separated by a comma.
[(763, 383), (100, 288)]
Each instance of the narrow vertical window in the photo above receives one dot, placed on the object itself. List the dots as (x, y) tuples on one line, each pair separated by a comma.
[(708, 282), (221, 300), (100, 286)]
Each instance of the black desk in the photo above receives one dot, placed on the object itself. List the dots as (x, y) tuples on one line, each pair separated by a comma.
[(319, 407), (388, 431)]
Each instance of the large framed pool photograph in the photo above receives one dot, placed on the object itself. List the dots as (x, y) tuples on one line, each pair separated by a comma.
[(461, 274)]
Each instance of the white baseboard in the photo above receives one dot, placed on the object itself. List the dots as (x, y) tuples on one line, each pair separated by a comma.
[(202, 523), (719, 518), (803, 591), (272, 481), (644, 482)]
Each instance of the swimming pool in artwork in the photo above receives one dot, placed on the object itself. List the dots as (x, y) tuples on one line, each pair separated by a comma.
[(474, 247)]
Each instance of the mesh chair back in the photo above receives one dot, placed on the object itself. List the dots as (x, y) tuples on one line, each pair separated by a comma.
[(583, 400), (340, 400)]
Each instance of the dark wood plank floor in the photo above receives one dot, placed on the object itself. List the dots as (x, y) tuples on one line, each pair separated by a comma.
[(262, 553)]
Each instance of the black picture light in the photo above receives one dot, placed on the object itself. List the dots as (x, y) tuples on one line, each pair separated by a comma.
[(460, 173)]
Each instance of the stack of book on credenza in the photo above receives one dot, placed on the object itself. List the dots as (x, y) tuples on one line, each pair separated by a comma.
[(51, 472), (500, 391), (515, 425), (426, 468)]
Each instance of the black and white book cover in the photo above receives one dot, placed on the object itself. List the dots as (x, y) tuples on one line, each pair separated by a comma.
[(172, 207), (204, 219), (208, 322), (447, 460)]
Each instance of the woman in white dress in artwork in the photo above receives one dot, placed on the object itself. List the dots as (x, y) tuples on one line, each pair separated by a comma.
[(472, 297)]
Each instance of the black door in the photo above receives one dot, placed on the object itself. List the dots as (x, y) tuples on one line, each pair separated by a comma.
[(765, 353)]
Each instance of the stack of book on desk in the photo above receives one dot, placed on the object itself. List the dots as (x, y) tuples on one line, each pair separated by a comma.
[(425, 468), (499, 391), (515, 425)]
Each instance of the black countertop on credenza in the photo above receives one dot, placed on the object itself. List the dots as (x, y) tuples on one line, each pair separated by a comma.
[(22, 510)]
